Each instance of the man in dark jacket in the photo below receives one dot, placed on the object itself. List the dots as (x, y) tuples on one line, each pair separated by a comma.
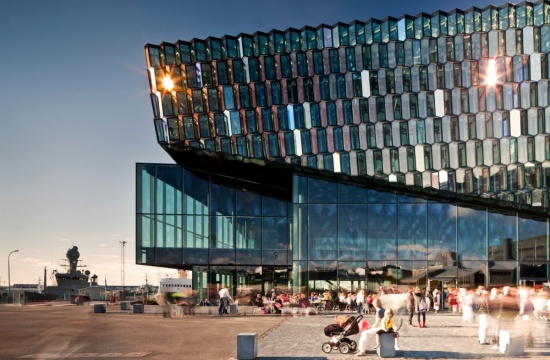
[(410, 304)]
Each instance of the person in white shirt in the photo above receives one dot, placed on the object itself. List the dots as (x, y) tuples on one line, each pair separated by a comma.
[(224, 300), (359, 300)]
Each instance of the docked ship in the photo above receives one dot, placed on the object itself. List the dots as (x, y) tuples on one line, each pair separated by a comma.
[(67, 284)]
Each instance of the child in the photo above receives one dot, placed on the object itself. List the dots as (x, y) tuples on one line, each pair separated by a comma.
[(386, 326)]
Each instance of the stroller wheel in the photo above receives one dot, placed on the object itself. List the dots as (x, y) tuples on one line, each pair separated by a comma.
[(353, 345), (344, 348), (326, 347)]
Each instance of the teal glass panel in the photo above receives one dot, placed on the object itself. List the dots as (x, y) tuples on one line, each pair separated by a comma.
[(286, 69), (220, 124), (254, 69), (259, 93), (200, 50), (238, 71), (244, 96), (145, 179), (231, 47), (215, 49), (261, 44), (273, 206), (292, 39), (290, 146), (251, 122), (273, 145), (317, 62), (185, 52), (247, 45), (292, 91), (204, 126), (223, 74), (228, 98), (276, 93), (338, 139), (282, 116), (269, 68), (301, 64), (382, 232), (347, 110), (315, 114), (322, 141), (267, 119), (235, 123), (309, 94), (277, 42), (364, 110), (324, 88), (241, 146)]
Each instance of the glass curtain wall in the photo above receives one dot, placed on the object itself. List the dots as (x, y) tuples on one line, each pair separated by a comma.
[(227, 230), (348, 238), (336, 236)]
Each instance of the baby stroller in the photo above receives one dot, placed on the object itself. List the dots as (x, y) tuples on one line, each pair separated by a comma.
[(345, 325)]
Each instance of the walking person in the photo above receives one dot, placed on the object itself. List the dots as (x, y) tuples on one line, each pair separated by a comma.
[(360, 299), (494, 314), (429, 298), (224, 300), (420, 306), (482, 306), (410, 304), (437, 300)]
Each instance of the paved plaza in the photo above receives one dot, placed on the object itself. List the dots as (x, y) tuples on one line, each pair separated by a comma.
[(62, 331), (446, 337)]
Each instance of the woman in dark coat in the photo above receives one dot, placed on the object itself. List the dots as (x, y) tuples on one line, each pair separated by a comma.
[(420, 306)]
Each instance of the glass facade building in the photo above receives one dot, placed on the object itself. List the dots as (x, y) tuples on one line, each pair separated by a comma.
[(380, 152)]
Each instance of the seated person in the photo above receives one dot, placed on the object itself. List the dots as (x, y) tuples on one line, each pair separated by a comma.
[(387, 327), (259, 301), (278, 304)]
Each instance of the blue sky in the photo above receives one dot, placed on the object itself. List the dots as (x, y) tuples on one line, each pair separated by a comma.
[(76, 116)]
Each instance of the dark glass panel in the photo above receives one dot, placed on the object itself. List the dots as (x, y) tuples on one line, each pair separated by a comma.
[(382, 231), (442, 234), (412, 232), (248, 199), (221, 232), (322, 191), (380, 197), (275, 233), (533, 239), (222, 256), (248, 233), (352, 244), (272, 206), (471, 232), (222, 196), (323, 227)]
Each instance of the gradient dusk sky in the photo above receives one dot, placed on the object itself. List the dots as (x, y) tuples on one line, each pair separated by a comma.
[(76, 115)]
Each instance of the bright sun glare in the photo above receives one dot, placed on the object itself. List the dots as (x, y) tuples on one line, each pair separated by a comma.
[(168, 83), (491, 77)]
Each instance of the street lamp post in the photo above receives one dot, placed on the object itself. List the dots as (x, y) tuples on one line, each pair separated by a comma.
[(9, 280), (122, 275)]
